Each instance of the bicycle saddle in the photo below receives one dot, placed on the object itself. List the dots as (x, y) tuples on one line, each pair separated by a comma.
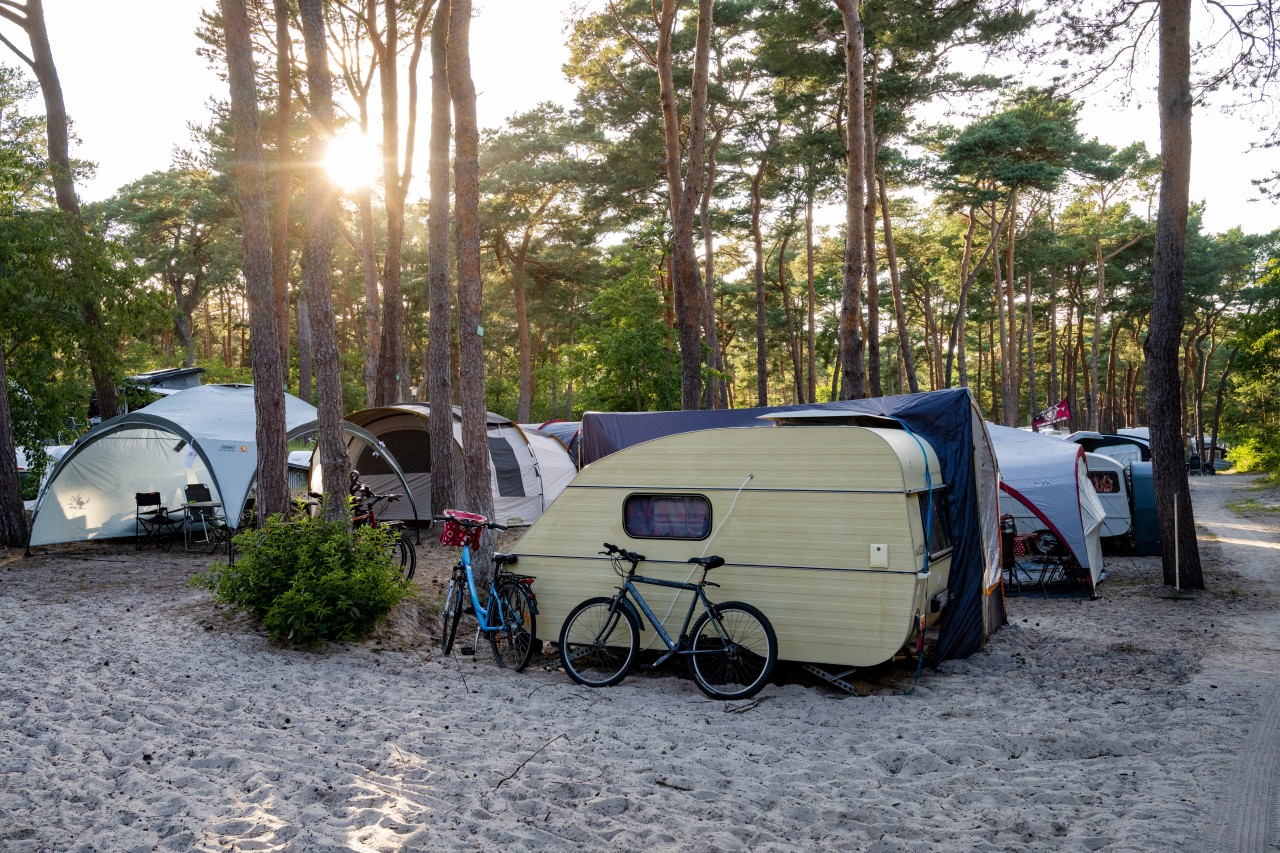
[(504, 558), (712, 562)]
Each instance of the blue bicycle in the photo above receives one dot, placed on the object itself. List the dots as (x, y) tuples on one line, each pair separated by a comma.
[(731, 648), (508, 617)]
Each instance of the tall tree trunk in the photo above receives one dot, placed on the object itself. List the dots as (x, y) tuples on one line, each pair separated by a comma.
[(524, 341), (1161, 348), (1032, 407), (686, 278), (475, 438), (715, 393), (869, 232), (98, 345), (391, 345), (372, 299), (854, 384), (439, 325), (284, 178), (955, 346), (1011, 306), (811, 299), (907, 360), (268, 373), (757, 244), (305, 369), (13, 522), (318, 268), (1054, 396), (793, 340)]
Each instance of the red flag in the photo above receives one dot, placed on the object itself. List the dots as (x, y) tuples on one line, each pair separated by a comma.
[(1053, 415)]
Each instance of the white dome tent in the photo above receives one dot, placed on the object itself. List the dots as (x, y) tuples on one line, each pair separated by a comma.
[(200, 435)]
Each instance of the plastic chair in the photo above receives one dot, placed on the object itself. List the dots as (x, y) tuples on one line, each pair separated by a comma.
[(202, 511), (150, 520)]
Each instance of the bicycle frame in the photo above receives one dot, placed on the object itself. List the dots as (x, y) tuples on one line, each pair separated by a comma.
[(495, 601), (630, 592)]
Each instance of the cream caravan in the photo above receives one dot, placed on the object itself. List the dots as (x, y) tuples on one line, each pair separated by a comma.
[(839, 533)]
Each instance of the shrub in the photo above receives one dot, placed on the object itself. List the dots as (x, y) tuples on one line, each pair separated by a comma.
[(310, 580)]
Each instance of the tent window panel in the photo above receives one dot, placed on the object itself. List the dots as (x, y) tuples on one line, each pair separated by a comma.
[(410, 447), (667, 516), (937, 521), (506, 468)]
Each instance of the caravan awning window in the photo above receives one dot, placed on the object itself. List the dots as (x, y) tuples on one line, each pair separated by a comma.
[(937, 521), (666, 516)]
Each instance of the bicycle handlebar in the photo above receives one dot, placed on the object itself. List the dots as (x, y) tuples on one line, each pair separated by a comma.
[(630, 556), (467, 522)]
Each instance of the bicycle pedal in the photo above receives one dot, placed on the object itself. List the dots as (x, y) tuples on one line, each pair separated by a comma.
[(467, 650)]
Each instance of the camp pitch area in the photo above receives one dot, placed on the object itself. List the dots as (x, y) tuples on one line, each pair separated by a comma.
[(792, 547), (200, 435), (525, 477)]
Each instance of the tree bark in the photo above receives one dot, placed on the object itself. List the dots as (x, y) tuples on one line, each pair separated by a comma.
[(854, 377), (439, 325), (1163, 404), (869, 232), (899, 308), (475, 444), (391, 345), (13, 522), (264, 335), (318, 268), (686, 278), (284, 178), (811, 299)]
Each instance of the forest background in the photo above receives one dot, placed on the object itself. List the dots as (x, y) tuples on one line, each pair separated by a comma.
[(1003, 248)]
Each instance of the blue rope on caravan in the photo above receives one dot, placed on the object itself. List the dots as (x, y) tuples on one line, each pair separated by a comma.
[(928, 529), (928, 484)]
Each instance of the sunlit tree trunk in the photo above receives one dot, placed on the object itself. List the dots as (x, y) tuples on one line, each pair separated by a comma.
[(853, 367), (684, 193), (284, 178), (476, 470), (318, 268), (439, 328), (268, 373)]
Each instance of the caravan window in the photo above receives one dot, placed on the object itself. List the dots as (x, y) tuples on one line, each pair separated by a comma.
[(666, 516), (940, 526)]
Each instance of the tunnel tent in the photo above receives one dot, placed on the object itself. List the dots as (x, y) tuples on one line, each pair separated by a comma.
[(1046, 485), (554, 464), (568, 432), (403, 429), (204, 434), (360, 444)]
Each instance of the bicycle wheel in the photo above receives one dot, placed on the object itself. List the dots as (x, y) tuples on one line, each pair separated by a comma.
[(738, 665), (513, 641), (452, 611), (598, 644), (402, 552)]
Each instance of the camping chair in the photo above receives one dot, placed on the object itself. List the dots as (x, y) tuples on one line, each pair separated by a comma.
[(202, 510), (150, 519), (1055, 559)]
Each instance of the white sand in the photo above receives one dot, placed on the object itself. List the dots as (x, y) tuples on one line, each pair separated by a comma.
[(134, 716)]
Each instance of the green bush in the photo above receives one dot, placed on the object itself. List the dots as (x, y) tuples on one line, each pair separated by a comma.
[(310, 580), (1256, 453)]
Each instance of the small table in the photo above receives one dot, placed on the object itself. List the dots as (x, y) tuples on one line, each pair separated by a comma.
[(197, 512)]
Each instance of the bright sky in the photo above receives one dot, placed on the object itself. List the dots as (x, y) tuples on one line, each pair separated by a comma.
[(132, 81)]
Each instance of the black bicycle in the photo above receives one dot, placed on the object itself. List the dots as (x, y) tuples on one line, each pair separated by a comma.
[(731, 649), (364, 514)]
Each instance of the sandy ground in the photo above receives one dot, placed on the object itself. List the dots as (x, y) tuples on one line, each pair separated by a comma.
[(136, 716)]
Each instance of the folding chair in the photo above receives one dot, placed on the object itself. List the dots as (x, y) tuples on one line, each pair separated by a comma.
[(1054, 558), (150, 520), (204, 511)]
